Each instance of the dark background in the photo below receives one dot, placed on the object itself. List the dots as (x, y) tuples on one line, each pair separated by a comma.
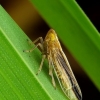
[(29, 20)]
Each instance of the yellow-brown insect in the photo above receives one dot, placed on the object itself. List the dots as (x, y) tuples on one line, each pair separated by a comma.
[(51, 49)]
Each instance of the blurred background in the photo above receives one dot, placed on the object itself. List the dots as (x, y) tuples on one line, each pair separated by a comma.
[(29, 20)]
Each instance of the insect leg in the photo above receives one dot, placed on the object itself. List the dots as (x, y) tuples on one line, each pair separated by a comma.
[(43, 57), (39, 38), (39, 44), (51, 72)]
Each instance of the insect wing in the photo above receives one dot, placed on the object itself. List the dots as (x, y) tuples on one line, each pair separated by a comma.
[(65, 76)]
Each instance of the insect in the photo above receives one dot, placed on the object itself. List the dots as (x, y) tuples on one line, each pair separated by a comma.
[(51, 49)]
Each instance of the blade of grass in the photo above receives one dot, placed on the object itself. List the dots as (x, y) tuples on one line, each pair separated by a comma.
[(76, 32), (18, 80)]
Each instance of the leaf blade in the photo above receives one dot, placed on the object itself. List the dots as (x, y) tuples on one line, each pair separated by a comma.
[(76, 31)]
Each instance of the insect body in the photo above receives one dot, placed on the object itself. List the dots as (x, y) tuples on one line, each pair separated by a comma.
[(51, 49)]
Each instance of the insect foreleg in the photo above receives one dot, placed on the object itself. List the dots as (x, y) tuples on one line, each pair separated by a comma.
[(39, 38), (39, 44)]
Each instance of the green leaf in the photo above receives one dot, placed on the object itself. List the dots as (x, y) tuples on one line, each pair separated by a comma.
[(76, 32), (17, 70), (18, 79)]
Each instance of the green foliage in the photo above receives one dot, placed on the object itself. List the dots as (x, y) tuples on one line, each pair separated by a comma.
[(18, 79), (17, 70), (76, 32)]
